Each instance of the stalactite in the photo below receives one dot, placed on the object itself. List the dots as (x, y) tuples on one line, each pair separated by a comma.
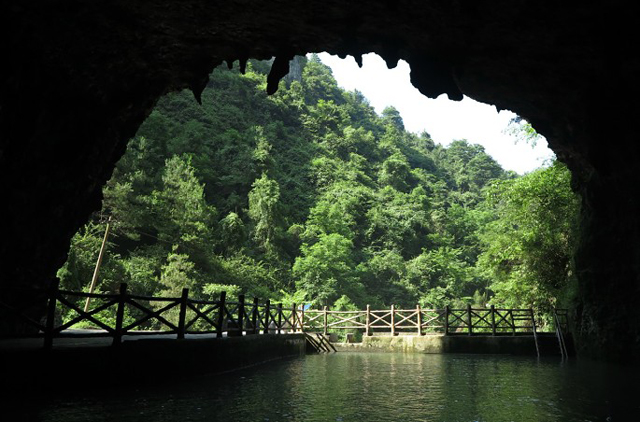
[(279, 70), (198, 86), (358, 58)]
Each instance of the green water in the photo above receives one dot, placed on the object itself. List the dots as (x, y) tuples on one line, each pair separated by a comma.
[(346, 387)]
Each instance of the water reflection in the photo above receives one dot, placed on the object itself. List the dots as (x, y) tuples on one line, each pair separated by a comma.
[(374, 387)]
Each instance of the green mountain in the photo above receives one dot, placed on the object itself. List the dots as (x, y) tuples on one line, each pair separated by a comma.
[(309, 195)]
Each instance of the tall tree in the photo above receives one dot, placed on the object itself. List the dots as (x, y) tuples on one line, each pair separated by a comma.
[(326, 271), (264, 212), (529, 247)]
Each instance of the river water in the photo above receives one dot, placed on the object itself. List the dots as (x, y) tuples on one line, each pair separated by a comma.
[(363, 387)]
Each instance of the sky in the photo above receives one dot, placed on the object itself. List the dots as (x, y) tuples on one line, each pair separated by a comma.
[(443, 119)]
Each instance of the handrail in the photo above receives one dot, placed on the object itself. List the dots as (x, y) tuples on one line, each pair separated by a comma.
[(535, 332), (145, 315), (448, 321), (137, 315), (559, 330)]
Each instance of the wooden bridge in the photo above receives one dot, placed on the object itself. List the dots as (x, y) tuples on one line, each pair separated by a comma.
[(125, 314)]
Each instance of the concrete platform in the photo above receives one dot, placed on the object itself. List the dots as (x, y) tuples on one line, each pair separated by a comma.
[(436, 343)]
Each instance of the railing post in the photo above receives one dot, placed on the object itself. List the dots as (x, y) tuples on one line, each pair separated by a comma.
[(533, 320), (302, 318), (183, 313), (367, 326), (294, 316), (241, 314), (221, 309), (52, 293), (535, 334), (493, 319), (254, 316), (279, 318), (469, 322), (267, 317), (122, 298), (325, 321), (419, 315), (393, 320), (446, 320)]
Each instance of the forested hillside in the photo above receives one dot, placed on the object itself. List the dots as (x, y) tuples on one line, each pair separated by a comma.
[(309, 196)]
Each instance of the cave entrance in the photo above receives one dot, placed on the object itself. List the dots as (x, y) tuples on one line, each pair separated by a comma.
[(553, 65)]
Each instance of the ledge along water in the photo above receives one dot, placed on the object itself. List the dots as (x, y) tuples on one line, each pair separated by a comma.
[(177, 368), (135, 315), (178, 334)]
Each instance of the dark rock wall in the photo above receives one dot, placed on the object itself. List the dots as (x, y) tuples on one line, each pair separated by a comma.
[(79, 76)]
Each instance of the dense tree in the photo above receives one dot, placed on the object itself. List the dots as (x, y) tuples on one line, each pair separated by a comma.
[(391, 116), (308, 194), (528, 248), (326, 270), (264, 212)]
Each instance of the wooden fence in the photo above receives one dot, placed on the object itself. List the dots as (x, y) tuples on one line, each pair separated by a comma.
[(448, 321), (123, 313)]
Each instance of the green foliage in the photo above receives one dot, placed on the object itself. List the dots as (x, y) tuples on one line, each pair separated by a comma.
[(523, 131), (439, 276), (384, 273), (529, 247), (232, 232), (264, 212), (253, 277), (326, 270), (213, 290), (178, 273), (77, 272), (309, 196), (391, 116)]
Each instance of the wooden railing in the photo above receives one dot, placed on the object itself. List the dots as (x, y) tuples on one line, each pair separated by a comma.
[(123, 313), (561, 320), (448, 321)]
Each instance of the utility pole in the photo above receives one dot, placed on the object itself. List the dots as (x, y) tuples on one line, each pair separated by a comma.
[(94, 279)]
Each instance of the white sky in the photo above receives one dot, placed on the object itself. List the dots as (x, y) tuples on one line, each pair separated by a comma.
[(443, 119)]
